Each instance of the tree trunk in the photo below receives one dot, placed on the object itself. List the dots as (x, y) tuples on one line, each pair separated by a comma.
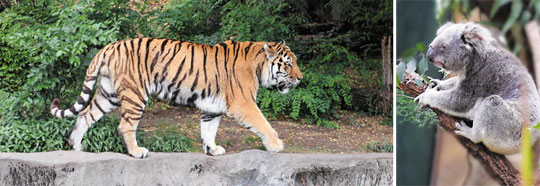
[(387, 67)]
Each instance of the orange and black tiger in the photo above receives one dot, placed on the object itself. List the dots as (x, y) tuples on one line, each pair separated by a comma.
[(217, 79)]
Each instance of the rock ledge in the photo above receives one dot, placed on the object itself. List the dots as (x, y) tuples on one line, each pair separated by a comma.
[(252, 167)]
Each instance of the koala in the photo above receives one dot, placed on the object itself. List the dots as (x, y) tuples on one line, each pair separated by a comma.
[(491, 87)]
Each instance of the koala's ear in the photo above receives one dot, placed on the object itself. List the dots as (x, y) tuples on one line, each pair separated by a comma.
[(475, 34), (269, 51), (444, 27)]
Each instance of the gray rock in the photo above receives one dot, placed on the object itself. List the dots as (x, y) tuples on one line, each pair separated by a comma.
[(252, 167)]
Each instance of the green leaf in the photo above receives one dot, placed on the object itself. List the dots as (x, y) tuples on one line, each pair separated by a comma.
[(418, 82), (421, 47), (496, 6), (400, 70), (423, 66), (537, 126), (409, 53), (536, 4), (514, 15)]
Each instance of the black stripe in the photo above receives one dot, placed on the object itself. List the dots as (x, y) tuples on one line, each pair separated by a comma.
[(90, 78), (175, 94), (81, 101), (148, 42), (163, 45), (232, 88), (62, 113), (86, 90), (206, 117), (209, 90), (176, 75), (154, 61), (216, 61), (181, 80), (92, 116), (204, 65), (195, 82), (225, 54), (192, 55), (217, 85), (139, 65), (116, 104), (72, 109), (99, 107), (192, 99), (129, 100), (203, 94), (235, 57), (246, 50)]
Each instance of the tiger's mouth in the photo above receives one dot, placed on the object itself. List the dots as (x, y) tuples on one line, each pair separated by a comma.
[(283, 87)]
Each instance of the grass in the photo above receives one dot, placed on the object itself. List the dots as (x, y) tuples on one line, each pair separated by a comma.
[(377, 146)]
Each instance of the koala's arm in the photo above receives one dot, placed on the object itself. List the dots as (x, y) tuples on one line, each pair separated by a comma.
[(444, 84), (450, 101)]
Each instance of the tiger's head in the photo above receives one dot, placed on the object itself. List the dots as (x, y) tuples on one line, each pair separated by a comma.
[(281, 71)]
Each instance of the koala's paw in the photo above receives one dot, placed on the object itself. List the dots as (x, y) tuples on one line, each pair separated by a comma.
[(465, 131), (422, 100), (434, 84)]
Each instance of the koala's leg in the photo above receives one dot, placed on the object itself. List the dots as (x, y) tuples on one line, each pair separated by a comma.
[(443, 84), (497, 124)]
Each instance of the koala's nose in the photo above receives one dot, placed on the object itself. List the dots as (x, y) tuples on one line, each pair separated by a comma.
[(430, 53)]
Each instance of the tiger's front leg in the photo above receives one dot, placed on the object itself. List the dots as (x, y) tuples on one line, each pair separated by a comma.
[(250, 117), (209, 126)]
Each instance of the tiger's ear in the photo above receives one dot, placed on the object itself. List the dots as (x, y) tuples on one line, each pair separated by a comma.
[(269, 50), (282, 42)]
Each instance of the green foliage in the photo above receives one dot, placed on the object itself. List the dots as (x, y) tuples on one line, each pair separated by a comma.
[(408, 112), (378, 146), (316, 98), (46, 46)]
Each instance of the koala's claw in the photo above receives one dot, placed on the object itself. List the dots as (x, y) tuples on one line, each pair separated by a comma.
[(434, 84), (421, 100)]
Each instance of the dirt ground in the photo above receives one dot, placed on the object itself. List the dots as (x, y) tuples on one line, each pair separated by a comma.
[(356, 131)]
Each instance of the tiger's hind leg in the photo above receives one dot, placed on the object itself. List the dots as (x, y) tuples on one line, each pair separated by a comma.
[(131, 112), (209, 126), (101, 104)]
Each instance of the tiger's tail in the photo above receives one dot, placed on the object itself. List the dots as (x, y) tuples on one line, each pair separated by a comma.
[(84, 98)]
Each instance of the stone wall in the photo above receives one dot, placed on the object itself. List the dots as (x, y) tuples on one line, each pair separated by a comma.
[(252, 167)]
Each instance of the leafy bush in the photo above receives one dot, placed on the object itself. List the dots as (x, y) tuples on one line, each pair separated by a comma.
[(378, 147), (50, 135)]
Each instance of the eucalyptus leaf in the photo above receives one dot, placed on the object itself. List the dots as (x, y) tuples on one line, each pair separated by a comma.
[(517, 5), (497, 5), (423, 66), (411, 66), (400, 70)]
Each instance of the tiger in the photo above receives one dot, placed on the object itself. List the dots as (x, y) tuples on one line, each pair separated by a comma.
[(216, 79)]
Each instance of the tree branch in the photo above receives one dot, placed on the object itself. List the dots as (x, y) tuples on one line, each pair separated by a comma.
[(495, 164)]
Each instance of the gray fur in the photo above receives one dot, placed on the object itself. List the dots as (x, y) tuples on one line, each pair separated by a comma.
[(492, 88)]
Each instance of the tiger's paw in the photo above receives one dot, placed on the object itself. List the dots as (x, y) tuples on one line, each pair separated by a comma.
[(74, 145), (275, 145), (218, 151), (139, 152)]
